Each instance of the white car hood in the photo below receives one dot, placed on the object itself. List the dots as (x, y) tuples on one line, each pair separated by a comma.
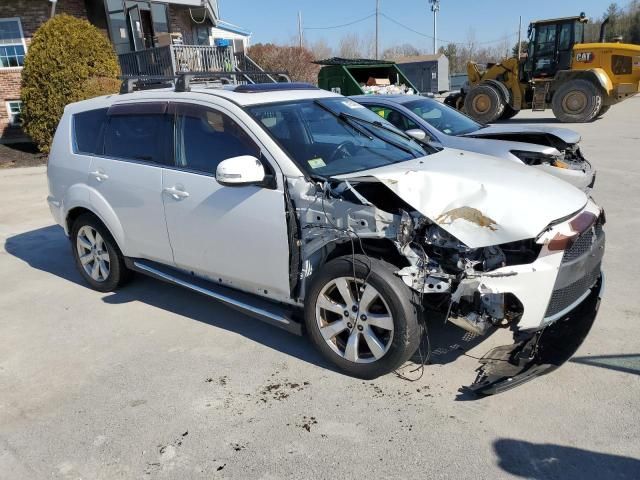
[(480, 200), (568, 136)]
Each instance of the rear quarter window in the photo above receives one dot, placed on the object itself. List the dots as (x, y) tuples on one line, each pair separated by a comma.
[(88, 131)]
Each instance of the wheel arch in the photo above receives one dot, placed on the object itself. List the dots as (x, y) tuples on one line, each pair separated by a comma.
[(378, 248), (597, 76), (80, 200), (502, 89)]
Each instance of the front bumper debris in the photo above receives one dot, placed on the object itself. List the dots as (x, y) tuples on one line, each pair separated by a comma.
[(541, 352)]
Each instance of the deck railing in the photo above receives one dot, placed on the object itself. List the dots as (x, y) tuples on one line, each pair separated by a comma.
[(172, 59)]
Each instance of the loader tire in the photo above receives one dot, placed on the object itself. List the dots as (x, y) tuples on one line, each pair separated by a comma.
[(577, 101), (484, 103), (603, 109), (455, 100), (509, 112)]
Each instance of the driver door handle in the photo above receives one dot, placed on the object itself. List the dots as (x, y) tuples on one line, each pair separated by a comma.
[(176, 193)]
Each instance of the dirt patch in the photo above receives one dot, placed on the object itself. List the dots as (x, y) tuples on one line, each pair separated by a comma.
[(21, 155), (280, 391), (307, 422)]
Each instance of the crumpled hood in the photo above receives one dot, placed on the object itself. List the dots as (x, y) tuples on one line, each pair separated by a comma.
[(568, 136), (480, 200)]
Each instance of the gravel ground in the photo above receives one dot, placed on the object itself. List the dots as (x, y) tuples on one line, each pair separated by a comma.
[(157, 382)]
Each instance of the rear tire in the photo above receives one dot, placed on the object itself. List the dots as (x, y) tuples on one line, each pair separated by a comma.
[(577, 101), (97, 255), (368, 338), (484, 103)]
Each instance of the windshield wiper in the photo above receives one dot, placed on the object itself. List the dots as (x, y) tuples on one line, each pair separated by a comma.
[(355, 118), (356, 127), (399, 133)]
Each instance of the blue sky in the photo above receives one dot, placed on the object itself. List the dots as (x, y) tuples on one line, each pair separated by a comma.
[(276, 20)]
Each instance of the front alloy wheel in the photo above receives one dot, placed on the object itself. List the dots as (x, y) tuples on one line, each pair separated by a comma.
[(361, 316), (354, 320)]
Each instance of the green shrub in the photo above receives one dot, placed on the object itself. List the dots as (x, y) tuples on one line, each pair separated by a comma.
[(68, 60)]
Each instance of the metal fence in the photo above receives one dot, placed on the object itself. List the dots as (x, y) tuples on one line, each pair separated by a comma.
[(172, 59)]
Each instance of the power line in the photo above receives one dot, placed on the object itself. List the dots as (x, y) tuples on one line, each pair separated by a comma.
[(406, 27), (343, 24)]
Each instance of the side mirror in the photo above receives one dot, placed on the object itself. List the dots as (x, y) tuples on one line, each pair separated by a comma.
[(417, 134), (238, 171)]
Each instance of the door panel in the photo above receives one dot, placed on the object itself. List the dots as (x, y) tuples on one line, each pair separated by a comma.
[(236, 234), (133, 190), (127, 173)]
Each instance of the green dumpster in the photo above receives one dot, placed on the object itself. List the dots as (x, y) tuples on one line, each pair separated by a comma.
[(348, 76)]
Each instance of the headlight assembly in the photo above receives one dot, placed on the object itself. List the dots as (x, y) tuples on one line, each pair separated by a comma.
[(538, 158)]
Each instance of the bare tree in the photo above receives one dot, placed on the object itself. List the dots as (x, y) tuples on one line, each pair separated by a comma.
[(294, 60), (398, 51), (350, 46), (320, 49)]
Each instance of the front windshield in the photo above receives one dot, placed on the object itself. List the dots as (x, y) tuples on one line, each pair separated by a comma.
[(441, 117), (325, 143)]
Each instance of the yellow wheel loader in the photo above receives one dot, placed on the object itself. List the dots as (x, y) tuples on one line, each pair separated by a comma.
[(578, 80)]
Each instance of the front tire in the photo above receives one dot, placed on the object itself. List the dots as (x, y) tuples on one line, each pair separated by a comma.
[(97, 255), (484, 103), (577, 101), (367, 325)]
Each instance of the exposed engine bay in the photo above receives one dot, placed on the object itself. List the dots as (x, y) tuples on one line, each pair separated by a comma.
[(478, 288)]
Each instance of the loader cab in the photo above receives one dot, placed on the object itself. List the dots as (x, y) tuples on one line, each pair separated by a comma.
[(550, 46)]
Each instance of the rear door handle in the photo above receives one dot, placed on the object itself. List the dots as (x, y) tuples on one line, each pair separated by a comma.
[(176, 193), (99, 175)]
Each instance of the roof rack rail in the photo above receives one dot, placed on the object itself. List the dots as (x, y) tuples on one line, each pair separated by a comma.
[(182, 81), (145, 82)]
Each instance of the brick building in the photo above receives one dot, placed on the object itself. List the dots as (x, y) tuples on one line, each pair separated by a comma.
[(132, 26)]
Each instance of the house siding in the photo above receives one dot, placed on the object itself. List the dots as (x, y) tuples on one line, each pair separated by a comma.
[(32, 14)]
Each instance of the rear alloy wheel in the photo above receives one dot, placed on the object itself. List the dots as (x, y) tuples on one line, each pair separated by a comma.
[(484, 103), (367, 325), (96, 254), (577, 101)]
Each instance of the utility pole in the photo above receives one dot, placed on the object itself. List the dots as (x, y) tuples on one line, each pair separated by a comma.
[(519, 34), (377, 24), (300, 28), (435, 8)]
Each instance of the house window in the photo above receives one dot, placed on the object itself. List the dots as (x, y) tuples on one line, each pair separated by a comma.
[(12, 46), (14, 110)]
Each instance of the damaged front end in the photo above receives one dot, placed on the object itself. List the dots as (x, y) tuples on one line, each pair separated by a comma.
[(471, 263)]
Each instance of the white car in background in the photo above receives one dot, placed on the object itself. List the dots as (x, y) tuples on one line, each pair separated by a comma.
[(551, 149), (301, 207)]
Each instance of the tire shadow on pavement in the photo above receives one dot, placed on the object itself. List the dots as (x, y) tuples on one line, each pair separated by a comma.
[(48, 249)]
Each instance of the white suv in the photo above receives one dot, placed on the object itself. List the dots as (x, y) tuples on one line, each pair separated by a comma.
[(303, 208)]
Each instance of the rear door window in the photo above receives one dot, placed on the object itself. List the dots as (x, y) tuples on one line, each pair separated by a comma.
[(88, 129), (140, 132)]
